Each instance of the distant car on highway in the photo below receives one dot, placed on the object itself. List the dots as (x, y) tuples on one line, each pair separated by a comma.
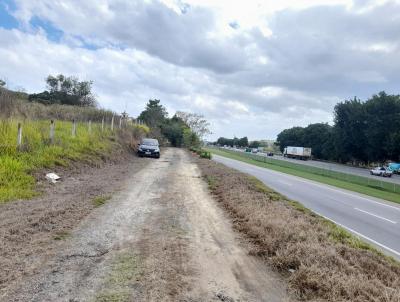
[(381, 171), (149, 147), (394, 167), (270, 154)]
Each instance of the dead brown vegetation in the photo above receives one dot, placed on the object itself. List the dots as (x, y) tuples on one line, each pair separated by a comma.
[(322, 262), (14, 104), (31, 230)]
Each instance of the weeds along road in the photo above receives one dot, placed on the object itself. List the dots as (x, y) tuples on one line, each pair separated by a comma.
[(161, 238), (376, 221)]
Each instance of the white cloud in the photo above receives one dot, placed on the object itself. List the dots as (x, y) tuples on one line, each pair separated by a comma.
[(252, 67)]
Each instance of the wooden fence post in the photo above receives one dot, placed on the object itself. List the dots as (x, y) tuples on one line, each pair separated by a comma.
[(102, 125), (120, 122), (52, 126), (73, 133), (90, 127), (112, 123), (19, 136)]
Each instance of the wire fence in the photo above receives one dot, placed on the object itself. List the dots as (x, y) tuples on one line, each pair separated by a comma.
[(19, 136), (351, 178)]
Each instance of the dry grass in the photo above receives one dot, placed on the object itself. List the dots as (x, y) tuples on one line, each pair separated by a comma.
[(322, 262)]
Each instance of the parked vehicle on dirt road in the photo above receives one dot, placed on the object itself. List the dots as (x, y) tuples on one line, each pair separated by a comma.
[(149, 147), (297, 152), (381, 171)]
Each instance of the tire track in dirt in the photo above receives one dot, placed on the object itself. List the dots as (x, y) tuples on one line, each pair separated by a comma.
[(175, 243)]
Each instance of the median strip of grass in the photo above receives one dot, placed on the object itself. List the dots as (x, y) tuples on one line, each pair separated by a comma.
[(364, 189)]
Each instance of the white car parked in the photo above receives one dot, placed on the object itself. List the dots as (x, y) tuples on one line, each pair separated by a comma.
[(381, 171)]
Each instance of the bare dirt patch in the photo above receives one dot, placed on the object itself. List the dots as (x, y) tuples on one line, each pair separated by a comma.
[(162, 237), (319, 260), (31, 231)]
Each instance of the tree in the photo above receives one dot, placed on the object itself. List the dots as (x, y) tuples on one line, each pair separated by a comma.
[(154, 115), (254, 144), (243, 142), (383, 128), (190, 138), (240, 142), (2, 83), (318, 137), (349, 130), (196, 122), (290, 137), (173, 130), (67, 91)]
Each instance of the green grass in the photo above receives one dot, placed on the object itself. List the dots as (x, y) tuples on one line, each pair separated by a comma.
[(313, 174), (125, 272), (212, 182), (61, 235), (100, 200), (37, 152)]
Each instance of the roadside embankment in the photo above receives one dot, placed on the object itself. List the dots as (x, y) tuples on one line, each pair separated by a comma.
[(321, 261), (32, 231), (30, 147)]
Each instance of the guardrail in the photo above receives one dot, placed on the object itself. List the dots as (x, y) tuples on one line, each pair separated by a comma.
[(355, 179)]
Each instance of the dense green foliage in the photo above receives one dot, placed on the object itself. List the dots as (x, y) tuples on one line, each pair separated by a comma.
[(36, 152), (183, 129), (67, 91), (363, 131), (239, 142)]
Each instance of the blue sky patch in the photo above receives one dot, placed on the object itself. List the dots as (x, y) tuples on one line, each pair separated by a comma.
[(53, 33), (7, 20)]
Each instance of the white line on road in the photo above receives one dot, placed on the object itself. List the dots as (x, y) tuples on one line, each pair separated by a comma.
[(377, 216), (361, 235), (325, 186), (285, 183)]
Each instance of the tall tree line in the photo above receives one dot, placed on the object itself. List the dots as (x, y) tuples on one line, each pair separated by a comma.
[(363, 131)]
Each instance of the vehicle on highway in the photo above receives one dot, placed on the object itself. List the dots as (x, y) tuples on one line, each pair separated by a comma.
[(247, 150), (149, 147), (297, 152), (394, 167), (254, 150), (381, 171), (270, 154)]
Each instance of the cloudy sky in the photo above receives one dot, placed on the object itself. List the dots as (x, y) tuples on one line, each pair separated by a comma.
[(251, 67)]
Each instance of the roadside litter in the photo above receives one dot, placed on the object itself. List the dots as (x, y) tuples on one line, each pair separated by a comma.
[(52, 177)]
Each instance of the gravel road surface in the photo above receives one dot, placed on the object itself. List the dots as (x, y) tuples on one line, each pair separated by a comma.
[(161, 238)]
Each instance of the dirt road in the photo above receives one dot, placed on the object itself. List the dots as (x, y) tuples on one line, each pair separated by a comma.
[(161, 238)]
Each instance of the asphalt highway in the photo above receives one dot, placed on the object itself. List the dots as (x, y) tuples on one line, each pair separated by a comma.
[(375, 221), (338, 168)]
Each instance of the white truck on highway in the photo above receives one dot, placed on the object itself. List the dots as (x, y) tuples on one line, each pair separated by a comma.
[(297, 152)]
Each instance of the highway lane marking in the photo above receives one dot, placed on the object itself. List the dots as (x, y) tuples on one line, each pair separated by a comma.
[(343, 226), (316, 184), (361, 235), (285, 183), (377, 216)]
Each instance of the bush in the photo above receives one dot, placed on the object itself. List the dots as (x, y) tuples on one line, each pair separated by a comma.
[(205, 154)]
